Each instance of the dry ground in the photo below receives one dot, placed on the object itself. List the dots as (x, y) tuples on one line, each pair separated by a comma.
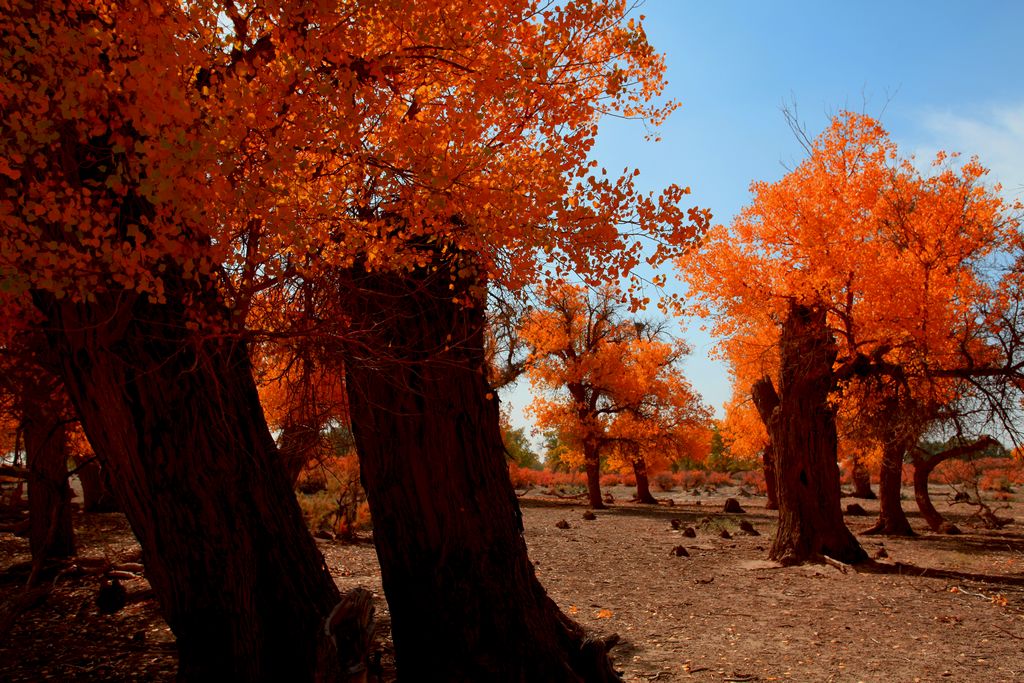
[(937, 608)]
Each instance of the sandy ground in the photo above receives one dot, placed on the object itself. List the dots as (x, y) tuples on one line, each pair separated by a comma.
[(936, 608)]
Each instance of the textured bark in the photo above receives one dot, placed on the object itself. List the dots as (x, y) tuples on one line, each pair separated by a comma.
[(178, 422), (766, 401), (803, 431), (592, 466), (892, 520), (936, 522), (923, 468), (861, 479), (771, 476), (49, 495), (465, 602)]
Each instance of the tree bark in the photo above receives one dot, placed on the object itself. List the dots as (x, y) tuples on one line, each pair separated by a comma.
[(892, 520), (766, 401), (803, 431), (936, 522), (177, 420), (771, 477), (592, 466), (465, 602), (861, 478), (49, 496), (923, 468), (643, 484)]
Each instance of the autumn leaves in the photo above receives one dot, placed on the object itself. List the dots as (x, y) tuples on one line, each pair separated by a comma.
[(912, 273)]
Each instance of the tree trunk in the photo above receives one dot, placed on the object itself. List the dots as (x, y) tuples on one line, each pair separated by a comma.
[(892, 520), (922, 471), (771, 476), (49, 495), (766, 401), (923, 468), (97, 493), (465, 602), (861, 478), (803, 431), (643, 485), (592, 465), (177, 420)]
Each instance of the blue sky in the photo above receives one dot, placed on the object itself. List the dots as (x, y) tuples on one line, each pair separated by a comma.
[(940, 75)]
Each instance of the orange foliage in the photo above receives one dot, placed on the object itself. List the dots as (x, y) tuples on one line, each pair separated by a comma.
[(611, 385), (900, 260), (257, 138)]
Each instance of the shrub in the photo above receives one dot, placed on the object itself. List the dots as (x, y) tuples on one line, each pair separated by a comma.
[(955, 472), (338, 503), (995, 480), (664, 481), (690, 479), (754, 479), (719, 479)]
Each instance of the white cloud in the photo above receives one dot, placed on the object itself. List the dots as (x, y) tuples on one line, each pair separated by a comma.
[(995, 134)]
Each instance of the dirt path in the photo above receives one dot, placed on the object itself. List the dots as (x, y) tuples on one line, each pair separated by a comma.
[(722, 613)]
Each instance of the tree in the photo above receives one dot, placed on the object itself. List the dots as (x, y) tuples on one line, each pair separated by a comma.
[(803, 430), (107, 237), (343, 145), (33, 402), (744, 434), (612, 385), (849, 226), (518, 447)]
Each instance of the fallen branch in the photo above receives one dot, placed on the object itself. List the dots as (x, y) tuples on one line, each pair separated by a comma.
[(841, 566), (14, 471)]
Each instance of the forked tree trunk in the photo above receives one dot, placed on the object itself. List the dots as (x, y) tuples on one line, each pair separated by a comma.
[(465, 602), (861, 478), (766, 401), (803, 430), (643, 484), (178, 421), (923, 468), (892, 520), (49, 495), (97, 493)]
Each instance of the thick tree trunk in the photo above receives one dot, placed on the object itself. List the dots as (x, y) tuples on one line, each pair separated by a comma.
[(892, 520), (771, 476), (49, 495), (465, 602), (592, 467), (803, 431), (643, 484), (97, 493), (178, 421), (861, 478), (766, 401)]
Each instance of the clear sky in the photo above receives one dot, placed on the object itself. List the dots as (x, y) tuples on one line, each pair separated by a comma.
[(940, 74)]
